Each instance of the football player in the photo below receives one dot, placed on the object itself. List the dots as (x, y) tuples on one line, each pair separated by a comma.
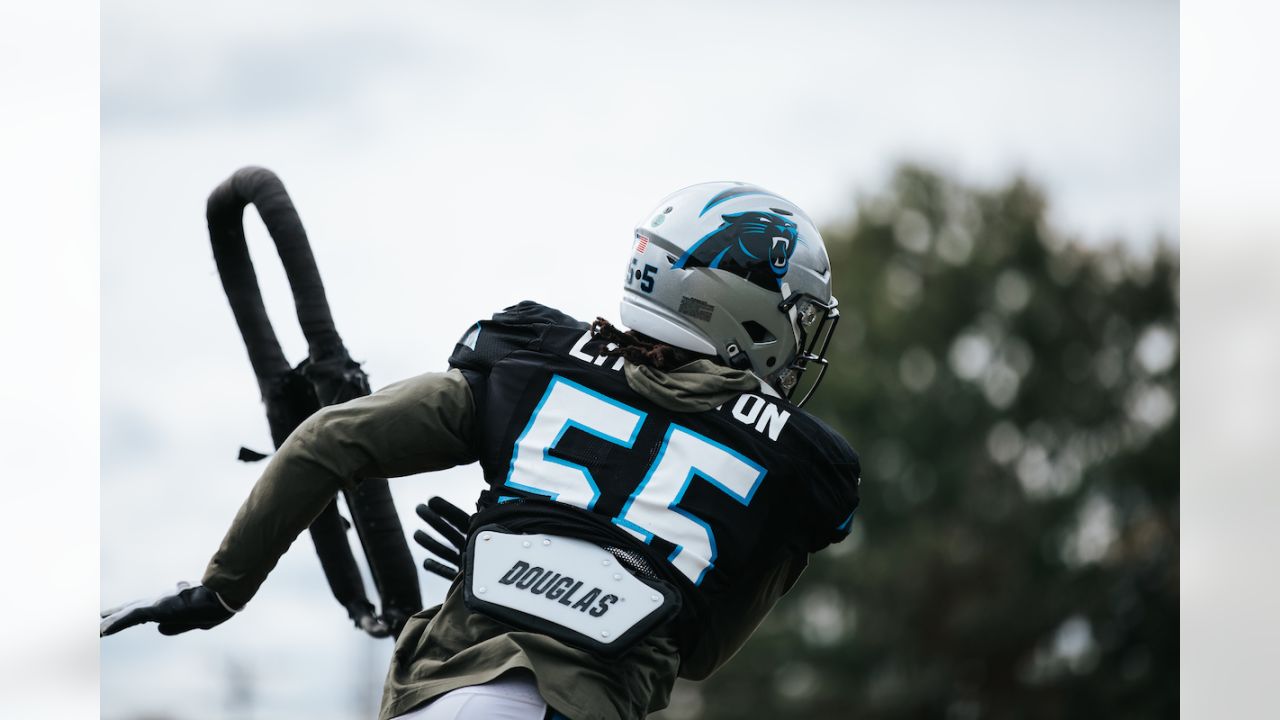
[(651, 492)]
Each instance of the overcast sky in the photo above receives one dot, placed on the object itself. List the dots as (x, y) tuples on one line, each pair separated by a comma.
[(451, 159)]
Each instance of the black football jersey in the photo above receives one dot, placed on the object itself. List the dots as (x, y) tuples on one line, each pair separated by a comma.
[(714, 500)]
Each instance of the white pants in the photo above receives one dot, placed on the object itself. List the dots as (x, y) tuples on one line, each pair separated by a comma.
[(513, 696)]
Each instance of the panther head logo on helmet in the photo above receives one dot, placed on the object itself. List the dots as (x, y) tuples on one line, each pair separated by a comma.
[(755, 245)]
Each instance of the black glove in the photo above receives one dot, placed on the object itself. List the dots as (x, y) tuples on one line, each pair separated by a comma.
[(365, 617), (184, 608), (453, 523)]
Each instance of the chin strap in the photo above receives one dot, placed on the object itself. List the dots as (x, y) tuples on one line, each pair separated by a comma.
[(793, 318), (793, 315), (767, 388)]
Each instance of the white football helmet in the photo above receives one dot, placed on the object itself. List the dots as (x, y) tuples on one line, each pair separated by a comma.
[(733, 270)]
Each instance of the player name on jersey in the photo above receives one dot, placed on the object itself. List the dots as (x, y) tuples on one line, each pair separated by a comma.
[(760, 414), (767, 418)]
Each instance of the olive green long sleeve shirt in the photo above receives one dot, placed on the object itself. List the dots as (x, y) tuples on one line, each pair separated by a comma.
[(413, 426)]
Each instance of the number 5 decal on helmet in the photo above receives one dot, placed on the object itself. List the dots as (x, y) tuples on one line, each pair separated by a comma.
[(643, 274)]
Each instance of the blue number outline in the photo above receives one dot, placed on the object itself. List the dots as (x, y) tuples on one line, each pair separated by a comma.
[(546, 452), (684, 487)]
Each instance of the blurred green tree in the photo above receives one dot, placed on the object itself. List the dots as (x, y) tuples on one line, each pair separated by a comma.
[(1013, 396)]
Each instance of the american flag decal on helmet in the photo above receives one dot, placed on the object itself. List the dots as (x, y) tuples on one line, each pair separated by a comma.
[(642, 242)]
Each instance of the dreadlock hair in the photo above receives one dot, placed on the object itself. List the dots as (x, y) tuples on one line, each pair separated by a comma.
[(642, 349)]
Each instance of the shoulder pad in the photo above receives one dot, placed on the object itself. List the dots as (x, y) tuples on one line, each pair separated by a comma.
[(829, 443), (518, 327), (833, 474)]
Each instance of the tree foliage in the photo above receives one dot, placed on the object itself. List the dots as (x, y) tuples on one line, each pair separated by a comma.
[(1013, 396)]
